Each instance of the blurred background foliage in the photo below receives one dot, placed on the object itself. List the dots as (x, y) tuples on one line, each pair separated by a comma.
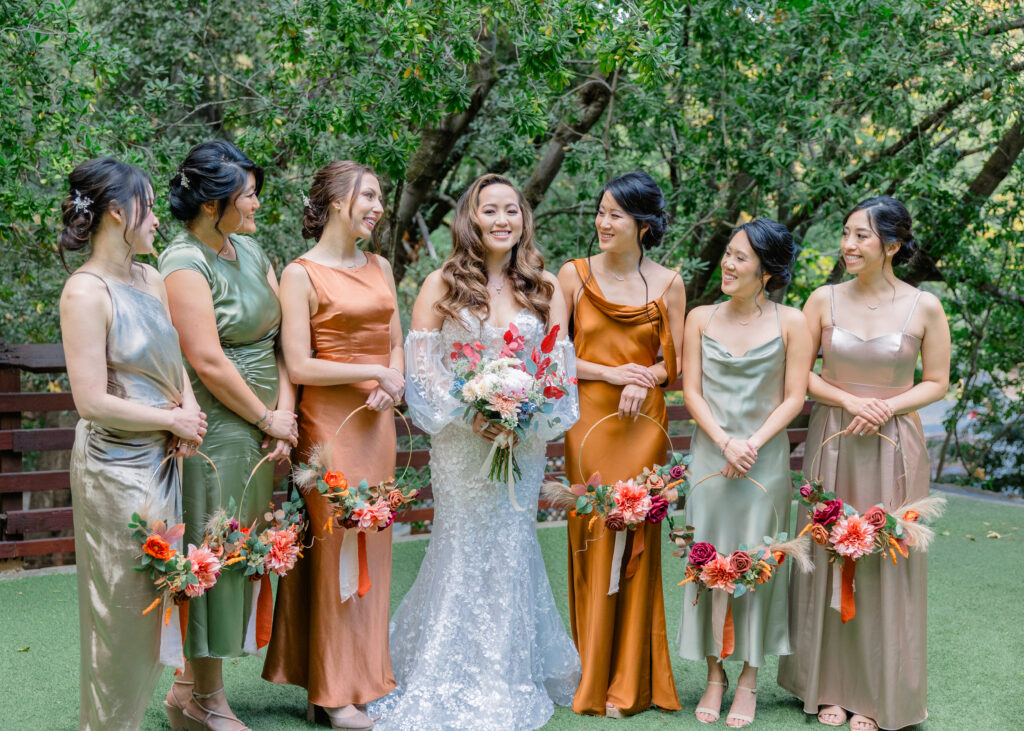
[(790, 109)]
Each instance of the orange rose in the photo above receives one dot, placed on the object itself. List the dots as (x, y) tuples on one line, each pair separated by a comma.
[(158, 548), (912, 516), (335, 480), (395, 499), (764, 572), (819, 533), (779, 557)]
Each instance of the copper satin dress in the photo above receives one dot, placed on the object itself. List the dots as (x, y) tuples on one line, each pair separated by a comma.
[(873, 665), (248, 318), (115, 473), (741, 391), (339, 652), (621, 638)]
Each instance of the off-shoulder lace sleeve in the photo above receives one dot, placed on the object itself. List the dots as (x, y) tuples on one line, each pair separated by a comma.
[(567, 409), (428, 382)]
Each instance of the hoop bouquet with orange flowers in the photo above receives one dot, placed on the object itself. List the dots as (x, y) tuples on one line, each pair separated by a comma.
[(180, 575)]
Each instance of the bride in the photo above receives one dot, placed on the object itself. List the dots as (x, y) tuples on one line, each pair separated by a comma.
[(477, 642)]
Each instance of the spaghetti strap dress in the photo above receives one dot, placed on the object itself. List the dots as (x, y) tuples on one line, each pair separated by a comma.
[(114, 473), (622, 638), (741, 391), (339, 651), (874, 664)]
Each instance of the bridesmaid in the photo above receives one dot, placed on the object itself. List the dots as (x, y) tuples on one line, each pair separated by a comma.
[(744, 381), (873, 667), (625, 345), (340, 303), (223, 297), (136, 405)]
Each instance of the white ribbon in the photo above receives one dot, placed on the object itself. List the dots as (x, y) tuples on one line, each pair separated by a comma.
[(171, 650), (348, 566), (719, 611), (249, 645), (837, 587), (503, 440), (617, 552)]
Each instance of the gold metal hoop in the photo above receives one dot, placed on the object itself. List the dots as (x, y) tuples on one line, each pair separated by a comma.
[(579, 459), (745, 477), (817, 455)]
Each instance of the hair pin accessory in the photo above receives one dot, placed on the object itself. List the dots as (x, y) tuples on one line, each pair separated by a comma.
[(184, 179), (81, 202), (305, 200)]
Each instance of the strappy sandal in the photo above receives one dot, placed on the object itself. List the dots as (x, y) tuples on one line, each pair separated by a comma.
[(203, 724), (867, 724), (175, 712), (716, 712), (338, 718), (747, 720), (837, 712)]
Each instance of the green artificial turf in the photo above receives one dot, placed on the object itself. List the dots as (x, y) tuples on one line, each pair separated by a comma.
[(975, 641)]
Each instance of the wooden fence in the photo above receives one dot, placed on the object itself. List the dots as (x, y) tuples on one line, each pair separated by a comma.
[(17, 520)]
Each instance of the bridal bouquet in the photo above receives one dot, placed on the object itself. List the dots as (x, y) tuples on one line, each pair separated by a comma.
[(626, 504), (508, 390), (181, 575)]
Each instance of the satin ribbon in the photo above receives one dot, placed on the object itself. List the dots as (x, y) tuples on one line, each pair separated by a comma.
[(261, 617), (504, 440), (353, 566), (617, 552), (172, 633), (843, 589), (722, 626)]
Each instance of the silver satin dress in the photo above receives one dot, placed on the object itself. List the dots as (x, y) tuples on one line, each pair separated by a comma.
[(741, 391), (874, 664), (115, 473)]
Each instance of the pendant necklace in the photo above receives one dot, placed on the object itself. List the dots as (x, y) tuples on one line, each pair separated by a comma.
[(496, 287)]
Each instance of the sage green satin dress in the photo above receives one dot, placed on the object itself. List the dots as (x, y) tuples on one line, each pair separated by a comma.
[(741, 392), (115, 473), (248, 318), (875, 664)]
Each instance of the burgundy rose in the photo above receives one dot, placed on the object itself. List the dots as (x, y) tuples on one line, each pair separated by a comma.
[(740, 562), (875, 517), (828, 512), (701, 553), (614, 521), (659, 509), (677, 472)]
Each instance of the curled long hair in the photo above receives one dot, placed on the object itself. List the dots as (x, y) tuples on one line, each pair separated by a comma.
[(465, 273), (339, 180)]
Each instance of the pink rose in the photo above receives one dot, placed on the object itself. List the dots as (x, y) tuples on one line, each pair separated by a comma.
[(875, 517), (677, 472), (701, 553), (808, 493), (828, 512), (659, 509), (740, 562)]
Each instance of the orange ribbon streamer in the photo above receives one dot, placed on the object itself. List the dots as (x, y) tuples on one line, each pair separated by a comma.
[(638, 548), (264, 612), (183, 620), (848, 609), (364, 567), (728, 633)]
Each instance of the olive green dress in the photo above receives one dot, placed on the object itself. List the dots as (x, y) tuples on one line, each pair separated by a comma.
[(741, 392), (114, 473), (248, 320)]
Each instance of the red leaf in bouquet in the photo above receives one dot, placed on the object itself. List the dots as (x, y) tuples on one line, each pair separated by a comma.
[(514, 342), (553, 392), (549, 340)]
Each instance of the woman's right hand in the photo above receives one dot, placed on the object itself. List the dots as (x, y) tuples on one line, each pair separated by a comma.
[(631, 374), (392, 381), (188, 424), (872, 410), (283, 425), (486, 429), (741, 455)]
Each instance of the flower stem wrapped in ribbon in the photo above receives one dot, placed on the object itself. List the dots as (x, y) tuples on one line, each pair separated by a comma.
[(847, 535), (508, 391), (357, 508)]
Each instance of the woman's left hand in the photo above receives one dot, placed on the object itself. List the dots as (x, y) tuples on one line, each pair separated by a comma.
[(379, 399), (184, 449), (282, 449), (861, 427)]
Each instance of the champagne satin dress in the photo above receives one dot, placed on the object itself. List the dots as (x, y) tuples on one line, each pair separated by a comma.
[(741, 391), (874, 664), (248, 319), (339, 652), (114, 473), (622, 639)]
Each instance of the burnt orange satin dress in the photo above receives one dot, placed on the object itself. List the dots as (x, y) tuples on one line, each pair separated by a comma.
[(621, 638), (339, 652)]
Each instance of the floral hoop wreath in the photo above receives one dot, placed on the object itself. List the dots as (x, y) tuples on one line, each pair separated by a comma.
[(358, 509), (847, 535), (178, 575), (727, 577), (625, 505)]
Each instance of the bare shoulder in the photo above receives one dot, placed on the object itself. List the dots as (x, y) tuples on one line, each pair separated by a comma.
[(434, 284), (792, 316), (931, 305), (81, 289), (384, 263), (294, 274), (549, 278), (699, 316)]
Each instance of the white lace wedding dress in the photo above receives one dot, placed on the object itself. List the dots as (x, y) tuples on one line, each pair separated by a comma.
[(478, 643)]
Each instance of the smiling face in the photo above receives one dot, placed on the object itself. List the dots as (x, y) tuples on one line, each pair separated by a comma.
[(500, 217), (741, 268), (363, 208), (140, 237), (240, 214), (616, 230), (861, 247)]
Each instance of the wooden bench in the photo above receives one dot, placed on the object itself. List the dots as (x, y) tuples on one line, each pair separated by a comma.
[(17, 521)]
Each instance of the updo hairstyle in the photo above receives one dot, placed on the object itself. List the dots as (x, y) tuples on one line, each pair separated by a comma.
[(641, 198), (95, 187), (212, 171), (891, 222), (774, 247), (335, 181)]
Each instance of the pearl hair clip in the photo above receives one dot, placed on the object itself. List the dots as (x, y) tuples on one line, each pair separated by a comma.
[(81, 202), (305, 200), (184, 179)]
